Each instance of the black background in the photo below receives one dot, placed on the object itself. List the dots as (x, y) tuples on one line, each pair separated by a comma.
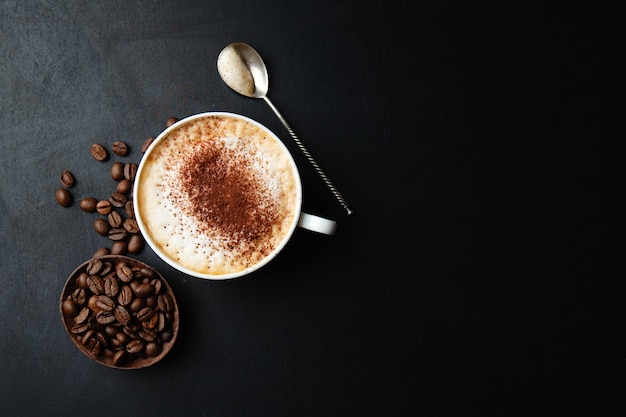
[(467, 137)]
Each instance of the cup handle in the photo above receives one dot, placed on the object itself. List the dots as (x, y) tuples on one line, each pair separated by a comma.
[(317, 224)]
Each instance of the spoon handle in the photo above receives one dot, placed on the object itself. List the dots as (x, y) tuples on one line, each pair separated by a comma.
[(310, 158)]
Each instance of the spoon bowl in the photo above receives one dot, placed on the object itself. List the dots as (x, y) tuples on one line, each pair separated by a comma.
[(243, 70)]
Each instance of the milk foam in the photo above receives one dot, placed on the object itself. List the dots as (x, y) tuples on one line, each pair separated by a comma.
[(204, 242)]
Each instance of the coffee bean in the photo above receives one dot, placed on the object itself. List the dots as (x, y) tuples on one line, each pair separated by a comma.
[(135, 243), (104, 207), (82, 316), (69, 307), (81, 281), (130, 170), (117, 171), (118, 199), (120, 148), (131, 226), (129, 208), (170, 121), (117, 233), (64, 197), (88, 204), (105, 317), (67, 179), (147, 143), (122, 315), (111, 286), (119, 247), (101, 226), (144, 290), (126, 295), (124, 272), (101, 252), (137, 304), (95, 284), (165, 303), (99, 152), (105, 303), (152, 349), (115, 219), (135, 346), (94, 266), (79, 296), (124, 186), (119, 358)]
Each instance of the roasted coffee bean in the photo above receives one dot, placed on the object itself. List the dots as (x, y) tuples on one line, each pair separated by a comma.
[(129, 207), (102, 252), (105, 303), (124, 186), (99, 152), (119, 358), (135, 243), (92, 303), (117, 171), (80, 328), (120, 148), (87, 336), (148, 334), (88, 204), (119, 247), (135, 346), (151, 323), (170, 121), (122, 315), (104, 341), (81, 281), (130, 170), (111, 286), (94, 267), (156, 283), (67, 179), (115, 219), (161, 323), (152, 349), (79, 296), (137, 304), (104, 207), (165, 303), (131, 226), (145, 313), (64, 197), (125, 296), (95, 284), (144, 290), (82, 316), (146, 144), (106, 269), (69, 307), (101, 227), (124, 272), (105, 317), (118, 199), (117, 233)]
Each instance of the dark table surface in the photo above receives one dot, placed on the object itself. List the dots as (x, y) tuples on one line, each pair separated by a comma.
[(465, 136)]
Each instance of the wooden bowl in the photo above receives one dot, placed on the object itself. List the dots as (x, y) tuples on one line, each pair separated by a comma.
[(120, 312)]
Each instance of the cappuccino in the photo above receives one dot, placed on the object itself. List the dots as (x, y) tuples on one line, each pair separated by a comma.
[(217, 194)]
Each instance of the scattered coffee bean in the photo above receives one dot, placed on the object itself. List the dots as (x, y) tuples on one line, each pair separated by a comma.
[(115, 219), (124, 186), (118, 199), (117, 171), (67, 179), (120, 148), (101, 227), (104, 207), (135, 243), (130, 209), (119, 247), (64, 197), (131, 226), (130, 170), (99, 152), (88, 204), (117, 233), (101, 252), (170, 121), (147, 143)]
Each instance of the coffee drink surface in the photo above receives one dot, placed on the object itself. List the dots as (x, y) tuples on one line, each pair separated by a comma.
[(218, 194)]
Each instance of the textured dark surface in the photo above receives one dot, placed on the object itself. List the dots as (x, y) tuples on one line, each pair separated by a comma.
[(473, 277)]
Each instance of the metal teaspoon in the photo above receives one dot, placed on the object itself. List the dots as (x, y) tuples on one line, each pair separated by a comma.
[(243, 70)]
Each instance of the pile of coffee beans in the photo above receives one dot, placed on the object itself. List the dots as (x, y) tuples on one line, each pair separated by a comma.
[(117, 221), (120, 312)]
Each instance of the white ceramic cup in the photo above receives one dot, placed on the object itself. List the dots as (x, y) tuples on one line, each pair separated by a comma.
[(298, 218)]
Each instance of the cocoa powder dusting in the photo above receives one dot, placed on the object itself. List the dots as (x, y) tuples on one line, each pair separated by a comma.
[(225, 194)]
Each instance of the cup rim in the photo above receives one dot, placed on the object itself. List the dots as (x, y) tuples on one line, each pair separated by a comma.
[(182, 268)]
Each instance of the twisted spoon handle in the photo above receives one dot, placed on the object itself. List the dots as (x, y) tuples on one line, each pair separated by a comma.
[(312, 161)]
